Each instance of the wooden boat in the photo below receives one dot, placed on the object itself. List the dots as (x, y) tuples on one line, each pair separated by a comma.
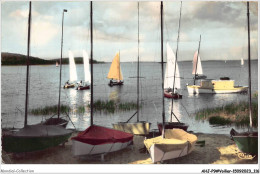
[(197, 68), (115, 73), (97, 139), (85, 85), (33, 137), (100, 140), (175, 144), (172, 82), (172, 76), (138, 127), (73, 72), (247, 142), (216, 87)]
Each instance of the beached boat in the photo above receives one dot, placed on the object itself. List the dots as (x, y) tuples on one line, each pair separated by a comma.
[(173, 143), (33, 137), (86, 84), (138, 127), (52, 120), (247, 142), (172, 80), (97, 139), (115, 73), (73, 72)]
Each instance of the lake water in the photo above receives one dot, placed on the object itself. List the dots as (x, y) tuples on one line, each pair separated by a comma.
[(44, 85)]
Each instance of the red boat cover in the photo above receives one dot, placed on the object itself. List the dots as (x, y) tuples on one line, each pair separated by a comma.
[(96, 135)]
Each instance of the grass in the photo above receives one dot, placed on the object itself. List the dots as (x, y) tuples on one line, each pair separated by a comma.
[(231, 113), (99, 105)]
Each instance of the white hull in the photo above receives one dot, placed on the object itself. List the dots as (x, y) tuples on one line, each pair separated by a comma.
[(79, 148), (157, 155), (197, 90)]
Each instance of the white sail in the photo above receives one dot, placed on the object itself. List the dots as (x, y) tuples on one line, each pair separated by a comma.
[(73, 71), (242, 61), (198, 69), (86, 67), (170, 69)]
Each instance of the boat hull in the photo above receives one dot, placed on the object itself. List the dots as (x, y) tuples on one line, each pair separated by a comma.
[(138, 128), (18, 144), (56, 121), (170, 95), (195, 89), (176, 144), (83, 87), (172, 125), (246, 143), (69, 86), (115, 83), (79, 148)]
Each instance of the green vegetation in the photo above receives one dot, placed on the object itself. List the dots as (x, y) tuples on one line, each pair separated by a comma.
[(19, 59), (49, 110), (231, 113)]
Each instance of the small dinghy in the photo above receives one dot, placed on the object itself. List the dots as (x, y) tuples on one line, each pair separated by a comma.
[(100, 140), (73, 72), (85, 85), (175, 144), (115, 73)]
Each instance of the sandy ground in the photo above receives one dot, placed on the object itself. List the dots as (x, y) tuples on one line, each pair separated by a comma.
[(219, 149)]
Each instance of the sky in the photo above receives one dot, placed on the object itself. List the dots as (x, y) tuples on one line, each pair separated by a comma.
[(222, 26)]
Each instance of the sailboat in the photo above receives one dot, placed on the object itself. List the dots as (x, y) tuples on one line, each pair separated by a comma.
[(173, 143), (247, 142), (138, 127), (57, 64), (242, 61), (197, 68), (97, 139), (33, 137), (115, 73), (172, 75), (52, 120), (172, 81), (223, 85), (85, 85), (73, 73)]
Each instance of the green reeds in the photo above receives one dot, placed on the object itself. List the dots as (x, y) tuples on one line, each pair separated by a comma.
[(49, 110), (234, 112)]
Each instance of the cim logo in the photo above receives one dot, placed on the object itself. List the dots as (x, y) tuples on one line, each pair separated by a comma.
[(245, 156)]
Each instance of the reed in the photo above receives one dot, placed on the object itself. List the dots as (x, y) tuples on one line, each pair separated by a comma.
[(231, 113), (49, 110)]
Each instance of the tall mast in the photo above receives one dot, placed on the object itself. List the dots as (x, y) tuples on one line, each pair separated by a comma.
[(64, 10), (163, 113), (138, 69), (249, 68), (197, 62), (176, 59), (28, 63), (91, 59)]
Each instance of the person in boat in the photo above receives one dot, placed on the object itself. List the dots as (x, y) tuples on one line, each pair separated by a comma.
[(80, 83), (169, 89), (111, 81)]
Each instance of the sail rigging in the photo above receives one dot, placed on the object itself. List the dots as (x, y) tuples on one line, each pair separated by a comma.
[(73, 72), (86, 67), (115, 69)]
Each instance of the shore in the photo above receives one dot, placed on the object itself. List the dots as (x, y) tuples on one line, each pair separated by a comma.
[(218, 149)]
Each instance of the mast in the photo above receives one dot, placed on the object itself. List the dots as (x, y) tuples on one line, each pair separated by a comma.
[(176, 58), (138, 69), (28, 63), (163, 113), (197, 62), (64, 10), (249, 68), (91, 59)]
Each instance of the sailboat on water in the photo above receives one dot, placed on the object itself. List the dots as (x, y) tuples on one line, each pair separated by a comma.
[(242, 62), (73, 72), (209, 86), (247, 142), (173, 143), (172, 76), (115, 73), (97, 139), (57, 64), (86, 84), (33, 137), (138, 127)]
